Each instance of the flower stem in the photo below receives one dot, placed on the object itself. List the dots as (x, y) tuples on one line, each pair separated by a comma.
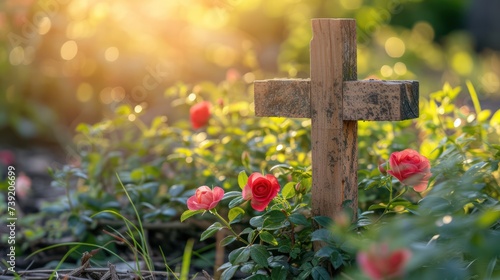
[(228, 226), (391, 200)]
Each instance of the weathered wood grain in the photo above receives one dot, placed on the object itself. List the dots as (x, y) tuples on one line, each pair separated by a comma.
[(335, 101), (368, 100), (332, 62), (282, 98)]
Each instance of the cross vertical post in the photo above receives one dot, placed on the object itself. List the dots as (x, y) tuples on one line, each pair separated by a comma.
[(333, 61), (335, 101)]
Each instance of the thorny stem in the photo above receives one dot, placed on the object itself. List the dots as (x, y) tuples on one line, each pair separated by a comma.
[(391, 200), (228, 226)]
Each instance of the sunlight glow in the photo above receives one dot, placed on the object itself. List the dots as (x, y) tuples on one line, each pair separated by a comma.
[(249, 77), (118, 94), (395, 47), (351, 4), (386, 71), (137, 109), (400, 68), (447, 219), (84, 92), (69, 50), (105, 95), (457, 122), (44, 25), (77, 9), (111, 54), (191, 97), (491, 82), (16, 56)]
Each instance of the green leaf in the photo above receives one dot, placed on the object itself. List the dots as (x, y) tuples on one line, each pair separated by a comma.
[(288, 190), (229, 272), (123, 110), (321, 235), (268, 238), (190, 213), (483, 115), (281, 166), (323, 221), (239, 255), (285, 249), (279, 273), (242, 179), (246, 231), (299, 219), (259, 254), (257, 221), (377, 206), (495, 119), (236, 201), (234, 213), (211, 230), (274, 216), (227, 240), (175, 190), (251, 236), (320, 273), (231, 194), (336, 259), (271, 224), (257, 277), (83, 128), (325, 252), (488, 218)]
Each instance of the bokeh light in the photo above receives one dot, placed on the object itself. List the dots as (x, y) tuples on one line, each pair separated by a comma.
[(395, 47), (69, 50), (386, 71), (111, 54), (16, 56), (462, 63), (100, 53), (351, 4), (400, 68), (85, 92), (44, 25)]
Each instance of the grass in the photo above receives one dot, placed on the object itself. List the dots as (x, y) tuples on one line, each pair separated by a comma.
[(135, 239)]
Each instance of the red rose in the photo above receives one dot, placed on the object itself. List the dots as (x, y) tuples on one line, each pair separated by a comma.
[(410, 168), (261, 190), (199, 114), (380, 263), (205, 198)]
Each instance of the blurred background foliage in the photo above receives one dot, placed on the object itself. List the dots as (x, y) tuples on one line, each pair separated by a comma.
[(114, 80), (64, 62)]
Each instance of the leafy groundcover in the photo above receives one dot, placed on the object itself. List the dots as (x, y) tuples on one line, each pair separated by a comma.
[(128, 194)]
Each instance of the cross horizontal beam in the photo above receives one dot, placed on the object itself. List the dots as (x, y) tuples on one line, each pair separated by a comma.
[(374, 100)]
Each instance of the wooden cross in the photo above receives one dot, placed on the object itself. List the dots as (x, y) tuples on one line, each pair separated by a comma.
[(335, 101)]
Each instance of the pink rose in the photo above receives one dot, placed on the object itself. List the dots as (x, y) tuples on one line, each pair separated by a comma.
[(205, 198), (410, 168), (199, 114), (260, 190), (23, 185), (380, 263)]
